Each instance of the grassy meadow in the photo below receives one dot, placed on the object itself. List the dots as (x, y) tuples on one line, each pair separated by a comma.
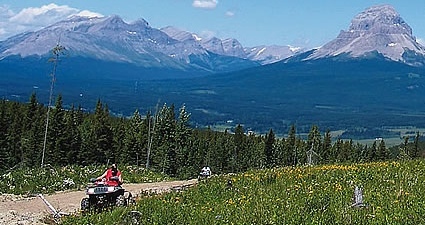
[(393, 193)]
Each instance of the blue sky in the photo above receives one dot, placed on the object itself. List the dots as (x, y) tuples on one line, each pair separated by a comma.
[(300, 23)]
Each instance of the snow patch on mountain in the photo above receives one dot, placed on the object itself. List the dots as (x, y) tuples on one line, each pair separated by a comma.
[(270, 54)]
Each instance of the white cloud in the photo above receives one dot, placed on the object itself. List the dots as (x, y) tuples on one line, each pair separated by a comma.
[(230, 13), (46, 13), (34, 18), (86, 13), (206, 4), (5, 12)]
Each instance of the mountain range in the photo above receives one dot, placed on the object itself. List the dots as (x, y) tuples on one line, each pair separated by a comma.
[(378, 29), (113, 40), (369, 77)]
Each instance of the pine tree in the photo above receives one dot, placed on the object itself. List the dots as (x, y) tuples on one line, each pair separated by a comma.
[(119, 129), (291, 147), (255, 152), (382, 152), (314, 137), (133, 141), (347, 151), (57, 150), (208, 147), (229, 152), (171, 166), (403, 150), (327, 144), (165, 156), (416, 145), (14, 135), (338, 151), (88, 153), (269, 149), (197, 153), (72, 136), (31, 133), (247, 151), (150, 125), (364, 154), (97, 137), (238, 141), (280, 152), (372, 152), (358, 153), (314, 140), (260, 159), (103, 134), (183, 135), (4, 126), (301, 151)]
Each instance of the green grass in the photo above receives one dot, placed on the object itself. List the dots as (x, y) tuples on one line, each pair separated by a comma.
[(394, 193)]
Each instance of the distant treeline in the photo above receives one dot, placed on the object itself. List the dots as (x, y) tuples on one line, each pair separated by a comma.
[(164, 141)]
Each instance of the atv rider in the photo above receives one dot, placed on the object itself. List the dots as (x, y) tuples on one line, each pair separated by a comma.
[(112, 176), (205, 171)]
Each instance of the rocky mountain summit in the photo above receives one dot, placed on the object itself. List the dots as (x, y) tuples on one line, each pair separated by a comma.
[(106, 38), (377, 29)]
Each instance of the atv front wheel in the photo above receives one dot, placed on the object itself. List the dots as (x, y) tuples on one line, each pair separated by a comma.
[(120, 201), (129, 198)]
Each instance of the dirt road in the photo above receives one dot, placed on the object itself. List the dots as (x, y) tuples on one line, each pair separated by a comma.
[(29, 210)]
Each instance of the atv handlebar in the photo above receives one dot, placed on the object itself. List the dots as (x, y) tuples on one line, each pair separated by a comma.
[(93, 180)]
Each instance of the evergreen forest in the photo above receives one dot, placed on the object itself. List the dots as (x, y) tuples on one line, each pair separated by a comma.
[(164, 141)]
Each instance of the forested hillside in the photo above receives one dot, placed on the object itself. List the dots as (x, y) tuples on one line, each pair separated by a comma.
[(164, 141)]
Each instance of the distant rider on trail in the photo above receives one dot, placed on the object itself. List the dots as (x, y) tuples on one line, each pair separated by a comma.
[(205, 172)]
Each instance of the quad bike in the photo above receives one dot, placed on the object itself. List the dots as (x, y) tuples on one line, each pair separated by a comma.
[(203, 175), (103, 194)]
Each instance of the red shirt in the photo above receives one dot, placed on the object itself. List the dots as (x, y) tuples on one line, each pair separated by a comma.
[(109, 175)]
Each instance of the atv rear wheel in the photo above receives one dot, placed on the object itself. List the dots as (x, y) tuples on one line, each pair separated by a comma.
[(85, 204), (129, 198)]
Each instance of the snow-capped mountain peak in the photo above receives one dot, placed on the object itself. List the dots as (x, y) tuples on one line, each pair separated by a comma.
[(377, 29)]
